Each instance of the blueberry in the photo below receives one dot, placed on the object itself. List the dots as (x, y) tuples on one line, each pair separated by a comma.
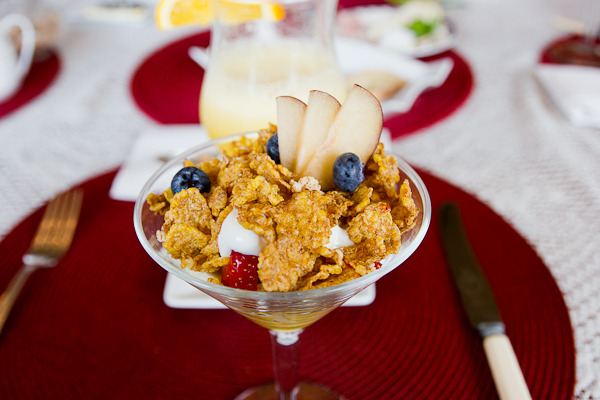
[(190, 177), (347, 172), (273, 148)]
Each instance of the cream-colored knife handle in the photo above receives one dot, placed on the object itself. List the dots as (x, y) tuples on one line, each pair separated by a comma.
[(505, 367)]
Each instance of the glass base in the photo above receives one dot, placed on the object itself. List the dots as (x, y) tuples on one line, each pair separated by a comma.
[(575, 52), (307, 391)]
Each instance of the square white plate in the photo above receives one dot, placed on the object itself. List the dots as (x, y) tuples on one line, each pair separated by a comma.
[(180, 294)]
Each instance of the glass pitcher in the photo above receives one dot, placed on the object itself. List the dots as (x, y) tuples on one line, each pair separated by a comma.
[(263, 49)]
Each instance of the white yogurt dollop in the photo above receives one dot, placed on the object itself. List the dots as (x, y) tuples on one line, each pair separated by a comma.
[(339, 238), (234, 236)]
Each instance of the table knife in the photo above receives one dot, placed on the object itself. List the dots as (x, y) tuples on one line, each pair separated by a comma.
[(478, 299)]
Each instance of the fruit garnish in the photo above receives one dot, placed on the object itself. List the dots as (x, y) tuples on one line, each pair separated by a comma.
[(312, 136), (175, 13), (355, 129), (241, 272), (348, 172), (189, 177), (172, 13), (273, 148), (290, 119), (321, 111)]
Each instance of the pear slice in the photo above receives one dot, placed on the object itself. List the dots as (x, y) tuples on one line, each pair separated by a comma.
[(321, 111), (356, 129), (290, 119)]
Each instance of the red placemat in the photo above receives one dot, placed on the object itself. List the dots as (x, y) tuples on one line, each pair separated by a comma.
[(39, 78), (166, 87), (95, 326)]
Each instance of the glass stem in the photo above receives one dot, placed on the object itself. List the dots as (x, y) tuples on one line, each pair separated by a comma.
[(286, 363)]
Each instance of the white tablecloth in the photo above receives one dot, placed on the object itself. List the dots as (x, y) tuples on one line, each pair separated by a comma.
[(508, 145)]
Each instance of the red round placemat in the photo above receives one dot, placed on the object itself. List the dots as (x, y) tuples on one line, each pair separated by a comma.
[(39, 78), (166, 87), (95, 326)]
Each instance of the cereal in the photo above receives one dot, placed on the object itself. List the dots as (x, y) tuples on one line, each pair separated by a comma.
[(184, 241), (158, 203), (212, 168), (262, 164), (382, 174), (258, 218), (376, 237), (189, 207), (305, 219), (361, 199), (346, 275), (214, 264), (217, 200), (405, 211), (233, 169), (293, 218), (255, 190), (306, 182), (282, 263)]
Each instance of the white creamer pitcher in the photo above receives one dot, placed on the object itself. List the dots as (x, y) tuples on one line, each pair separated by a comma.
[(14, 67)]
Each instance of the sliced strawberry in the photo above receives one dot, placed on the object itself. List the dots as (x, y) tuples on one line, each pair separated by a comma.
[(241, 272)]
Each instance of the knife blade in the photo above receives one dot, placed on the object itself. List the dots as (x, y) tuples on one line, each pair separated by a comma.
[(480, 304)]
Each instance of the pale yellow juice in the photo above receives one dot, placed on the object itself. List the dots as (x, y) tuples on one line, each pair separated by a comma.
[(288, 322), (242, 83)]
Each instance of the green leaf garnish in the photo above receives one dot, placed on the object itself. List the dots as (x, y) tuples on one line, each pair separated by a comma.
[(422, 28)]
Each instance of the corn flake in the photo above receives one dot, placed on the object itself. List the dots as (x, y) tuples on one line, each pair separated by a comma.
[(376, 236), (158, 203), (405, 211), (189, 207), (304, 217), (257, 189), (184, 241), (282, 263), (382, 173)]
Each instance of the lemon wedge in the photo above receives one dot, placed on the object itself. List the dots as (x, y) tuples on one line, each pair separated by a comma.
[(175, 13)]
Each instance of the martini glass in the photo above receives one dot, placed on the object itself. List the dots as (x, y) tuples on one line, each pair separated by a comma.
[(285, 315)]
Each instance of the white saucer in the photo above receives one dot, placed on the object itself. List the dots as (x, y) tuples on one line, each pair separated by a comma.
[(438, 46), (353, 22)]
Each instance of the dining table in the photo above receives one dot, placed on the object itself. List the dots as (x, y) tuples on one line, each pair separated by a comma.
[(506, 147)]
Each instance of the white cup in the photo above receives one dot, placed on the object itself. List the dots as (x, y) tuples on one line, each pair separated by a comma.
[(14, 67)]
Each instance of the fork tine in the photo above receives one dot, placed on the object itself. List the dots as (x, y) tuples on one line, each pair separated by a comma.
[(43, 233), (56, 230), (69, 221), (58, 224)]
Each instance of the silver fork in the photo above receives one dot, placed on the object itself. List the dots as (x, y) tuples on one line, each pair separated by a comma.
[(52, 239)]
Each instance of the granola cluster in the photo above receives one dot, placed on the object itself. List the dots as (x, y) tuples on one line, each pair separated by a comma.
[(294, 218)]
